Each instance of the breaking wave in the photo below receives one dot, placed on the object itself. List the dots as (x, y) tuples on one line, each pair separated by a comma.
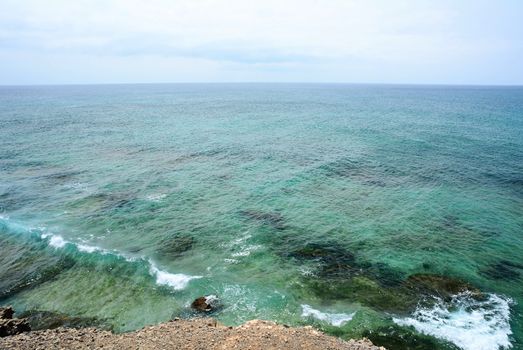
[(336, 320), (469, 323)]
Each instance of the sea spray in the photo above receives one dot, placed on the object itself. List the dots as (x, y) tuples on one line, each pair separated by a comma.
[(176, 281), (469, 323), (335, 319)]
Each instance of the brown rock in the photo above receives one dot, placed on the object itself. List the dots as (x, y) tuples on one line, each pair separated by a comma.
[(206, 303), (13, 326), (6, 312)]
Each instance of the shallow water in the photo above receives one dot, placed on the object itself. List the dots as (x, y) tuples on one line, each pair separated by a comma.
[(303, 204)]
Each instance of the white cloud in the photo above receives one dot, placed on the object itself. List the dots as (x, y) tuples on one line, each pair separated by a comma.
[(303, 33), (288, 28)]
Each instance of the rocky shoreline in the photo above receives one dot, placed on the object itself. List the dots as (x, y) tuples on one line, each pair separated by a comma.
[(196, 333)]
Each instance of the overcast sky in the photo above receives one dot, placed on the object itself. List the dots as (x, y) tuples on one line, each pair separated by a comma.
[(389, 41)]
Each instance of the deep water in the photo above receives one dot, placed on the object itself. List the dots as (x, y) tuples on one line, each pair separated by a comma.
[(392, 212)]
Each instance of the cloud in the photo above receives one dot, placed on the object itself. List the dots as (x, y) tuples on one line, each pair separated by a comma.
[(300, 33), (248, 31)]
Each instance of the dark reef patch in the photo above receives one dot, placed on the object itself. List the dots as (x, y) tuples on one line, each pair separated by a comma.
[(503, 270), (50, 320), (13, 198), (442, 286), (20, 273), (365, 171), (26, 263), (100, 204), (364, 290), (450, 222), (344, 167), (273, 219), (395, 337), (385, 275), (202, 155), (337, 273), (61, 176), (176, 245), (333, 260)]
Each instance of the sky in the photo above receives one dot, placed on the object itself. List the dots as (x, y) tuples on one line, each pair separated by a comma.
[(158, 41)]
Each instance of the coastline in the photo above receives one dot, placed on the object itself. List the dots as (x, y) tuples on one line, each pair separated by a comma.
[(195, 333)]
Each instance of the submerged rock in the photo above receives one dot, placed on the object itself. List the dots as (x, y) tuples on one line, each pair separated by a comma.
[(503, 270), (334, 260), (275, 220), (176, 245), (401, 338), (18, 273), (366, 291), (438, 285), (206, 303), (51, 320), (385, 275)]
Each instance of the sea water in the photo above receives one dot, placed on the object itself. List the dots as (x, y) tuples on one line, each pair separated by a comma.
[(318, 204)]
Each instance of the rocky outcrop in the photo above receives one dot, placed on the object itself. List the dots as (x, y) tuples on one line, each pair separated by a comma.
[(199, 333), (206, 303), (10, 325), (6, 313)]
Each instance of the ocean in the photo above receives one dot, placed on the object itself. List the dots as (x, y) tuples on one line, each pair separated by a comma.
[(391, 212)]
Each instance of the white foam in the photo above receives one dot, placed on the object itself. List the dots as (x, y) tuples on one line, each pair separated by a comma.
[(176, 281), (246, 251), (238, 241), (87, 248), (468, 323), (77, 186), (306, 271), (94, 249), (56, 241), (156, 197), (336, 320)]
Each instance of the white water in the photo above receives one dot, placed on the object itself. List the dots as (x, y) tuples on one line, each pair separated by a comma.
[(468, 323), (332, 318), (156, 197), (176, 281), (56, 241)]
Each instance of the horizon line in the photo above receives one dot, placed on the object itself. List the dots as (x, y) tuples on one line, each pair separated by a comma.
[(263, 83)]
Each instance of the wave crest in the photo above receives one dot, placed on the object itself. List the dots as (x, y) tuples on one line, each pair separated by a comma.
[(469, 323), (336, 320)]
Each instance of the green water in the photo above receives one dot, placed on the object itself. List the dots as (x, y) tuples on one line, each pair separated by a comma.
[(121, 204)]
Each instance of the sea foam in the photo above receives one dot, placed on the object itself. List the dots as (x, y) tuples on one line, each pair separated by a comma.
[(468, 323), (56, 241), (332, 318), (156, 197), (176, 281)]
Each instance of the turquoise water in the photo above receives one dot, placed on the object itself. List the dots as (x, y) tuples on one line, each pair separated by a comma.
[(329, 205)]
